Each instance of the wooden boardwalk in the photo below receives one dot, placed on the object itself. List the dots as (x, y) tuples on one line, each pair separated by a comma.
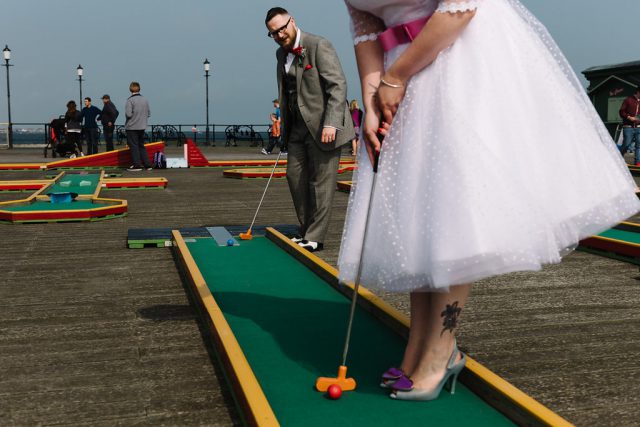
[(93, 333)]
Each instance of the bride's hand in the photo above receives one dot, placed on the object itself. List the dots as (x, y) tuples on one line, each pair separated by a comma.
[(389, 95), (372, 129)]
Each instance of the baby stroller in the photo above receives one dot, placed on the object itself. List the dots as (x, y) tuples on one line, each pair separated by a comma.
[(57, 140), (56, 133)]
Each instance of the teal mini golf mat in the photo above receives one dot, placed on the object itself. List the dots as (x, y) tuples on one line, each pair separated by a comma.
[(621, 242), (622, 235), (291, 326), (40, 205), (82, 184)]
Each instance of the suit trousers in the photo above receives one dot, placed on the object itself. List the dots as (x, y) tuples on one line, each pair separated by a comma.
[(311, 174)]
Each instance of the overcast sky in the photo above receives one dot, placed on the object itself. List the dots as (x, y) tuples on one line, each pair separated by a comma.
[(162, 44)]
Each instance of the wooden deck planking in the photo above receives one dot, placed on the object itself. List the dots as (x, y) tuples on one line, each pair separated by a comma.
[(92, 332)]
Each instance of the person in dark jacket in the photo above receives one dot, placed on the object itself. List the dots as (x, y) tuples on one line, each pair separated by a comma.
[(108, 117), (73, 124), (630, 114), (90, 114)]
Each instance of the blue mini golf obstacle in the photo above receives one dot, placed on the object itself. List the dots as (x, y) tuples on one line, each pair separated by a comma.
[(62, 197)]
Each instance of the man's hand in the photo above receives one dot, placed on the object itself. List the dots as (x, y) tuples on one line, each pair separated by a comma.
[(328, 135)]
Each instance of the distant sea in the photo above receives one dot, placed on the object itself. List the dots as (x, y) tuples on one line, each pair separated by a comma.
[(31, 138), (26, 139)]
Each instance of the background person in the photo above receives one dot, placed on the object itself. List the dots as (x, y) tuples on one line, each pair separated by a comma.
[(108, 118), (356, 116), (73, 124), (274, 134), (137, 114), (630, 114), (90, 114)]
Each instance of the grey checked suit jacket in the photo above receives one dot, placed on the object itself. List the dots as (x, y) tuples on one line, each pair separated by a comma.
[(322, 91)]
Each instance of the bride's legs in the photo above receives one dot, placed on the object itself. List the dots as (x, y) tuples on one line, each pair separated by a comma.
[(439, 324), (420, 305)]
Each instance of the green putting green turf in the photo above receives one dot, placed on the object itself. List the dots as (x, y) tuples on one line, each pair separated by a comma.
[(291, 327), (75, 183), (627, 236), (47, 206)]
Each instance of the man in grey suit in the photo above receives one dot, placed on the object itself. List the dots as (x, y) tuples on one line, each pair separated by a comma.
[(316, 121)]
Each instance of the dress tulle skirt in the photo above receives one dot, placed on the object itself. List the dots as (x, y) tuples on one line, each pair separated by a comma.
[(496, 162)]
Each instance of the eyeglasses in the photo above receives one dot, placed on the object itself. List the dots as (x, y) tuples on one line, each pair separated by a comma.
[(272, 34)]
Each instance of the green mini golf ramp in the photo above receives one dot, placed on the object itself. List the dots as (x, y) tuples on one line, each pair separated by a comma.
[(290, 325)]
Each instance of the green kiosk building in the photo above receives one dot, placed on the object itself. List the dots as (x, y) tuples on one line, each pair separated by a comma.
[(609, 85)]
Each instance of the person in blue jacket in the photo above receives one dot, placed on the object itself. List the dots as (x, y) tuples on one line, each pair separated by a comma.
[(90, 114)]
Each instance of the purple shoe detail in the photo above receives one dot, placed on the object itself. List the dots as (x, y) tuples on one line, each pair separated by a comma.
[(392, 374), (403, 384)]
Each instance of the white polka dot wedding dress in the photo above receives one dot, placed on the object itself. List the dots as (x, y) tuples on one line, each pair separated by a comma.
[(496, 161)]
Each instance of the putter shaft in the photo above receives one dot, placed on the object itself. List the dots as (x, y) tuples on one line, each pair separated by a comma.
[(356, 285), (264, 192)]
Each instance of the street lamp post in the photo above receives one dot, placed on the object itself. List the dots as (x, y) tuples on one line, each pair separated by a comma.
[(80, 72), (6, 55), (207, 67)]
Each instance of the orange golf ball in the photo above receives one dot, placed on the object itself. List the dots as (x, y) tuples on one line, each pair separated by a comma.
[(334, 392)]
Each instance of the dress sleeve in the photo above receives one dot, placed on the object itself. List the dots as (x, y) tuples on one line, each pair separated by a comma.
[(364, 25), (455, 6)]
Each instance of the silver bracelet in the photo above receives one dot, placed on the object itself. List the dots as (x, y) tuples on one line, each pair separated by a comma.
[(386, 83)]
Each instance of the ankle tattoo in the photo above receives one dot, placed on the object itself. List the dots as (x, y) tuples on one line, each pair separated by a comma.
[(450, 317)]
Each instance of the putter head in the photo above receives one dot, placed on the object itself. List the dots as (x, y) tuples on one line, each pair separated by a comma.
[(346, 384), (246, 236)]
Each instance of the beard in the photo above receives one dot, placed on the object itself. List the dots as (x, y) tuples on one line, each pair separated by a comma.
[(288, 42)]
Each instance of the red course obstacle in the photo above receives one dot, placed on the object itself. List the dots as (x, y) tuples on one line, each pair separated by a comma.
[(195, 158), (117, 158)]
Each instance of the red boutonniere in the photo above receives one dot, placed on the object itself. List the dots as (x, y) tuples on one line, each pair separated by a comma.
[(300, 52), (308, 67)]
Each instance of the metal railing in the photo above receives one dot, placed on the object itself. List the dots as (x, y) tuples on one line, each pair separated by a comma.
[(4, 135), (39, 134)]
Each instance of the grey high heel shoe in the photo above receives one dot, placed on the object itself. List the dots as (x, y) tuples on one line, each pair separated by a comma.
[(450, 377)]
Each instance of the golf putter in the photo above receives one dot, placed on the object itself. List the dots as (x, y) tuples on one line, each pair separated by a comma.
[(348, 384)]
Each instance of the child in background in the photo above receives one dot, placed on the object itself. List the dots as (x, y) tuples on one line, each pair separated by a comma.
[(274, 134)]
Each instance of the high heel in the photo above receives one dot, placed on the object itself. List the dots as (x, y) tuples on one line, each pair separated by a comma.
[(451, 373)]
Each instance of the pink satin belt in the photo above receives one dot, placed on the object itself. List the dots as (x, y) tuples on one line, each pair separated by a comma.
[(401, 34)]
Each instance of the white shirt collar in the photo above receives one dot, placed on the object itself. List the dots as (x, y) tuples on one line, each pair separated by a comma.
[(297, 43), (290, 55)]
